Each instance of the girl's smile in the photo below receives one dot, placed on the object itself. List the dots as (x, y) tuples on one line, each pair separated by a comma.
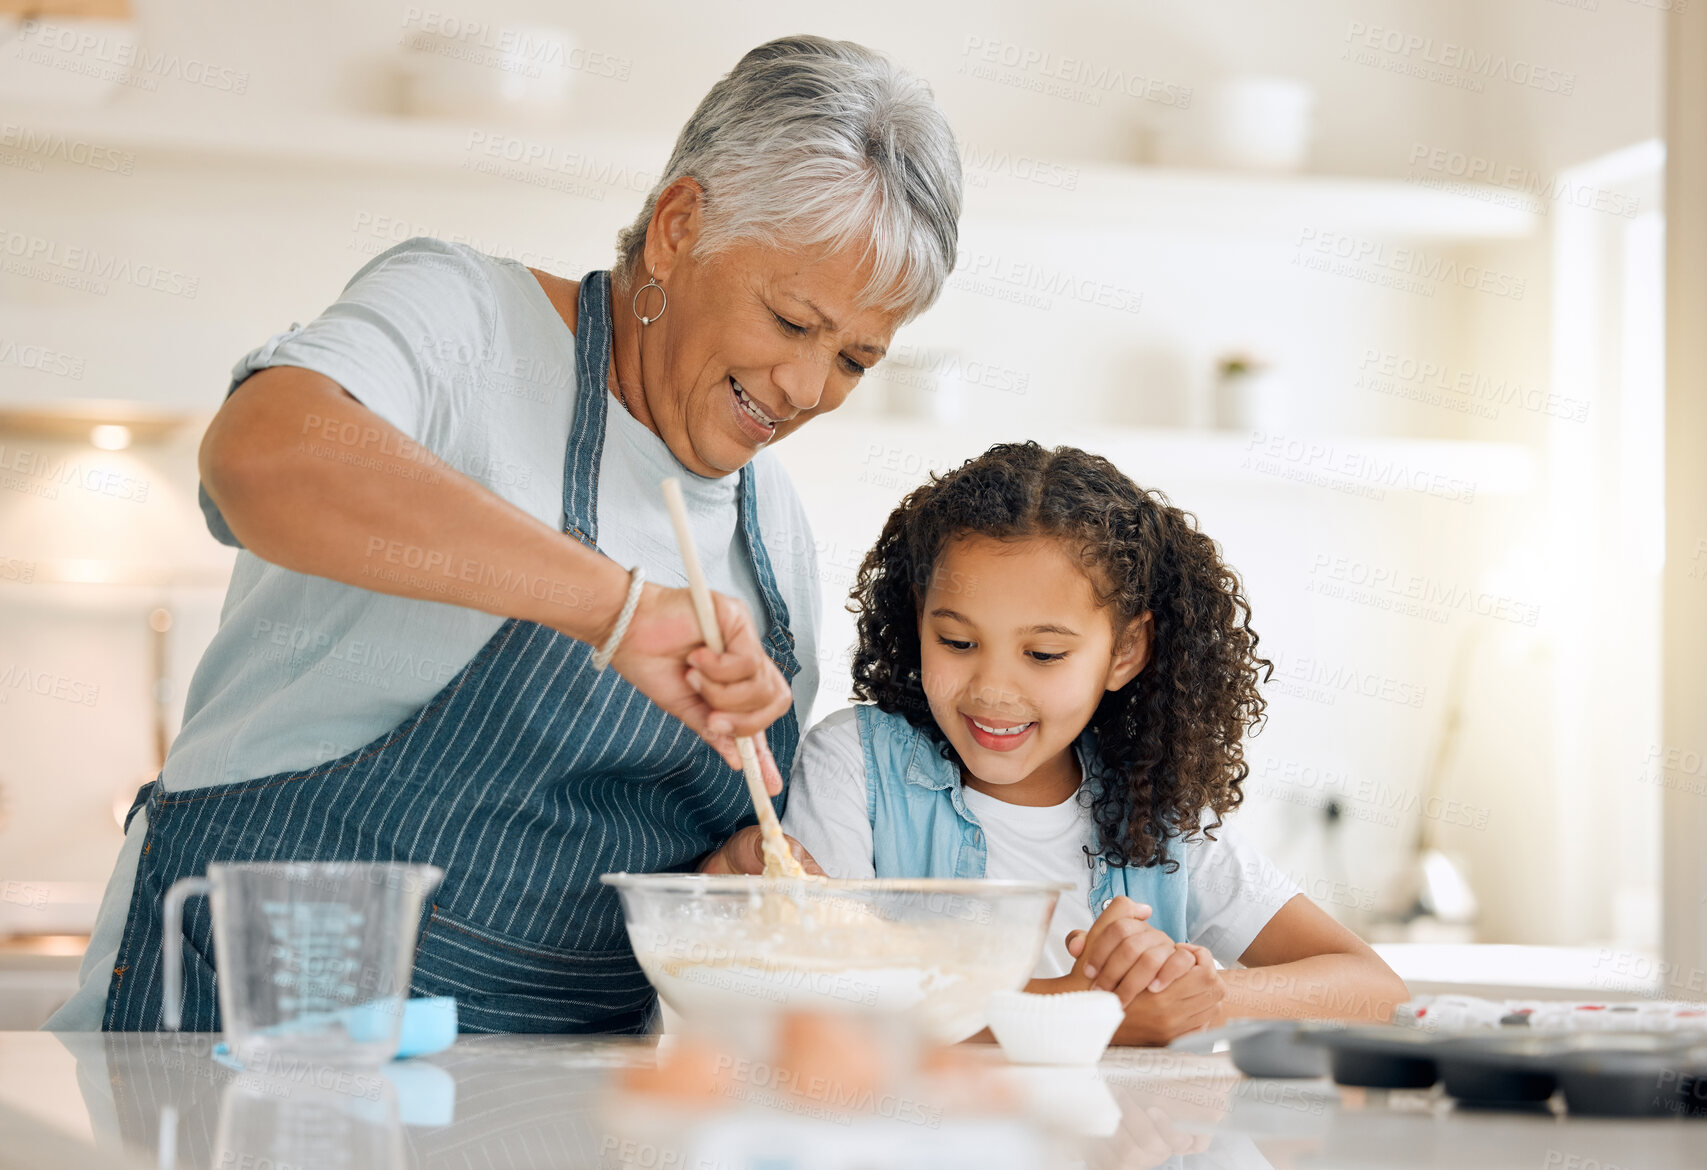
[(999, 737)]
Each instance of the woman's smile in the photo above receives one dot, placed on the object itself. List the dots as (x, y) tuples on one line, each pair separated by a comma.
[(752, 418)]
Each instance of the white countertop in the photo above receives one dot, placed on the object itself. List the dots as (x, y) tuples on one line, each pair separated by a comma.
[(508, 1101), (1504, 971)]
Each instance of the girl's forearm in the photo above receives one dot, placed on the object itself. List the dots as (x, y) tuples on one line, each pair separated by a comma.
[(1335, 986), (1058, 984)]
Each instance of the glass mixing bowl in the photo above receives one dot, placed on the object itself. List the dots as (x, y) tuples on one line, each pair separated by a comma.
[(931, 949)]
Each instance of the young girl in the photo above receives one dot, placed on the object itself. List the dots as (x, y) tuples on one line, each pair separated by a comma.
[(1055, 673)]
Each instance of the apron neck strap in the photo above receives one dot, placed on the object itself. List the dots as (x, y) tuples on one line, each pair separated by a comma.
[(587, 434)]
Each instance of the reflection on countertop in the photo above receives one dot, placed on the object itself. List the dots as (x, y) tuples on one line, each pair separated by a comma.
[(38, 972), (537, 1101)]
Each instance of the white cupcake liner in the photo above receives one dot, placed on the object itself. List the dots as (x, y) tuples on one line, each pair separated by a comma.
[(1074, 1027)]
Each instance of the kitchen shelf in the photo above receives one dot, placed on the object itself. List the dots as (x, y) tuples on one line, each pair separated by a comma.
[(1103, 199), (366, 142), (891, 451), (1134, 200)]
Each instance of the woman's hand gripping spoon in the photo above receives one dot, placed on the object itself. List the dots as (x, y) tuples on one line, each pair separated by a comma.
[(779, 861)]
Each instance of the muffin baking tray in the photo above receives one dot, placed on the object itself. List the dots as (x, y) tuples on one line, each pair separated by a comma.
[(1606, 1073), (1611, 1074)]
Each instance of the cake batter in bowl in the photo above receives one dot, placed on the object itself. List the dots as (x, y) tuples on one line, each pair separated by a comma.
[(931, 950)]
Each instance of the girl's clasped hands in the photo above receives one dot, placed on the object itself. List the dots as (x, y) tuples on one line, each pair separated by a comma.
[(1168, 988)]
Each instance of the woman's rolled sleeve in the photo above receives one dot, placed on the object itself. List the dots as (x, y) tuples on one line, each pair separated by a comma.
[(407, 339)]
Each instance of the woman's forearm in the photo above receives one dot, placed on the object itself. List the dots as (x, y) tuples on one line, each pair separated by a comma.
[(310, 479), (1333, 986)]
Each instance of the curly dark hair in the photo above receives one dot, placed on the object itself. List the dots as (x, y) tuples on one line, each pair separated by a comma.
[(1175, 733)]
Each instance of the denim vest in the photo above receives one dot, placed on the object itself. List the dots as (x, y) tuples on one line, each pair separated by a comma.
[(921, 827)]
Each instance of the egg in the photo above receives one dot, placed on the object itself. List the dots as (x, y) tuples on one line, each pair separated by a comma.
[(828, 1056), (690, 1069)]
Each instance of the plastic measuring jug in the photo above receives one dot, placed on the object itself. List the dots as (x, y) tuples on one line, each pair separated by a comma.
[(313, 957)]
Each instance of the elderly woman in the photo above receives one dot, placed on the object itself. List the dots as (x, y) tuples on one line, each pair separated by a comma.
[(446, 493)]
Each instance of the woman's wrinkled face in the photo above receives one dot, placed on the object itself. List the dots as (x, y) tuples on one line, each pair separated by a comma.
[(1016, 653), (754, 342)]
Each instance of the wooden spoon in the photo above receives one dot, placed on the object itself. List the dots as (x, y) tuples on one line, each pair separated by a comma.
[(779, 861)]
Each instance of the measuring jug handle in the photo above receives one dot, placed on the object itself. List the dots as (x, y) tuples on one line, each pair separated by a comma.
[(172, 948)]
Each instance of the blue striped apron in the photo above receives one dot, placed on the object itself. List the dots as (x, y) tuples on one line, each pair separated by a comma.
[(524, 779)]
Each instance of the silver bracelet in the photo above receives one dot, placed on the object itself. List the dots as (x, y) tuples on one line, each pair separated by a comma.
[(603, 655)]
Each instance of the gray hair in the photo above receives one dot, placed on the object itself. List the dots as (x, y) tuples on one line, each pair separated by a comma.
[(811, 142)]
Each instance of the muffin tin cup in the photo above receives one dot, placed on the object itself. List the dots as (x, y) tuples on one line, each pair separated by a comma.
[(1623, 1077), (1379, 1056), (1499, 1069), (1279, 1050)]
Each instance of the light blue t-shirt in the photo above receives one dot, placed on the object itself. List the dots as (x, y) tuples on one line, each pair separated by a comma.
[(464, 353)]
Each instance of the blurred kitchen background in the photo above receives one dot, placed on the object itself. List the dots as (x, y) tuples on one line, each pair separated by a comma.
[(1375, 287)]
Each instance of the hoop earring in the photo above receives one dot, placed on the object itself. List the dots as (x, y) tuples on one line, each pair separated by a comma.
[(663, 297)]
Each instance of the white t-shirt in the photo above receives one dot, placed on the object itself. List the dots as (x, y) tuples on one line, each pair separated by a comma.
[(1232, 889), (464, 353)]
